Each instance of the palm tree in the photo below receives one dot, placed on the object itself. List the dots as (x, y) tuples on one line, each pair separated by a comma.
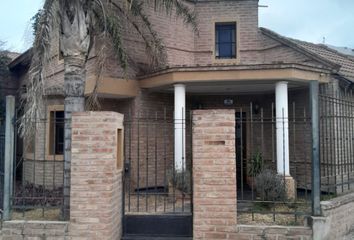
[(78, 22)]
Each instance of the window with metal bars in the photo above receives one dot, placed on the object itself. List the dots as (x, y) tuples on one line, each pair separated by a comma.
[(225, 40)]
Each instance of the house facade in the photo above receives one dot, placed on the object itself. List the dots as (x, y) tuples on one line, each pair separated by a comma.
[(229, 63)]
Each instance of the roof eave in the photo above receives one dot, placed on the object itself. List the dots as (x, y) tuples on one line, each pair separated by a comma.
[(24, 59)]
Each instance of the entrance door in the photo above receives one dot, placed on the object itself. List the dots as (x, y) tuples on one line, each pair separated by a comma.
[(241, 149)]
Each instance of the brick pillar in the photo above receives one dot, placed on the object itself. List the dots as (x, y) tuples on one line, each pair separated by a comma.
[(214, 174), (96, 176)]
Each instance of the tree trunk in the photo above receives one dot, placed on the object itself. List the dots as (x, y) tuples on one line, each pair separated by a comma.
[(74, 87), (74, 44)]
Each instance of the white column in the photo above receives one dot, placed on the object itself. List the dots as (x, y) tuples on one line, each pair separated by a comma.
[(282, 126), (180, 127)]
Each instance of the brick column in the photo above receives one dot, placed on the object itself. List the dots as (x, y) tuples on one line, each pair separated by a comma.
[(96, 176), (214, 174)]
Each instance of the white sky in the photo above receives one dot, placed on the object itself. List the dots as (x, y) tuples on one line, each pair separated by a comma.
[(308, 20), (311, 20)]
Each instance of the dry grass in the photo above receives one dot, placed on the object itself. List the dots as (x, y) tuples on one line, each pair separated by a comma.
[(281, 214)]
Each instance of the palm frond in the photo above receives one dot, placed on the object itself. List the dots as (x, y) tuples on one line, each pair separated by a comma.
[(111, 25), (33, 101), (153, 44)]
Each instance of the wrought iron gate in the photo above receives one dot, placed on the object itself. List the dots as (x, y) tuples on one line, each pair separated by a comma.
[(157, 199)]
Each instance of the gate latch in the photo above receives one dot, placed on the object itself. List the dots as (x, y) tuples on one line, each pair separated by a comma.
[(126, 168)]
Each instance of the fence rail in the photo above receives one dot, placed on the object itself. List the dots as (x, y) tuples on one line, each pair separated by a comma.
[(263, 191), (37, 191), (2, 156), (337, 141)]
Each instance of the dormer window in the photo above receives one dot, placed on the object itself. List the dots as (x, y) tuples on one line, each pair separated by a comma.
[(225, 40)]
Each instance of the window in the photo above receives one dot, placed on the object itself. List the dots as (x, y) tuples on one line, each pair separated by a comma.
[(56, 133), (225, 40)]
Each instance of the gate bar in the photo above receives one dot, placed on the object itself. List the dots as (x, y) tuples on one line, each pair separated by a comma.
[(9, 155), (316, 181)]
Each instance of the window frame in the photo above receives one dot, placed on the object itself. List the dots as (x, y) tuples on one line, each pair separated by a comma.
[(215, 59), (231, 43), (49, 154)]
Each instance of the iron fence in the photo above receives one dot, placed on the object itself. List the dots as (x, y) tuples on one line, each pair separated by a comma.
[(2, 161), (337, 141), (264, 193), (37, 191), (152, 185)]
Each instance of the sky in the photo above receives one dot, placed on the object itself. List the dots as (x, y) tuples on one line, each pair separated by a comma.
[(318, 21), (315, 21)]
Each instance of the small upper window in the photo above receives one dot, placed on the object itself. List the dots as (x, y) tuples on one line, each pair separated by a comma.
[(225, 40)]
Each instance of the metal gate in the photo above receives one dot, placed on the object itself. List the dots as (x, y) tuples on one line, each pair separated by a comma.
[(2, 156), (157, 199)]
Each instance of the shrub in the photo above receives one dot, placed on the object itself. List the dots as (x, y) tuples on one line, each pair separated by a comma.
[(270, 186)]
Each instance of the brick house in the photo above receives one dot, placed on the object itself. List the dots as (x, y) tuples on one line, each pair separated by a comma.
[(230, 64)]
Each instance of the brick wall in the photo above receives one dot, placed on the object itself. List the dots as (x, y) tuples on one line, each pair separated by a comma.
[(96, 181), (250, 232), (337, 219), (183, 47), (13, 230), (214, 174), (214, 183)]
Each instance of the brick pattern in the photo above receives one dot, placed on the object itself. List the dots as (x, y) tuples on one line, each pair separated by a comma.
[(18, 230), (13, 230), (249, 232), (339, 214), (48, 174), (214, 174), (183, 47), (96, 183)]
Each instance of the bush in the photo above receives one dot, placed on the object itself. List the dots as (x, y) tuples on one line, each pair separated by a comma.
[(270, 186)]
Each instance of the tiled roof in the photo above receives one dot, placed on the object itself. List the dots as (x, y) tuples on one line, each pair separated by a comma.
[(345, 62)]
